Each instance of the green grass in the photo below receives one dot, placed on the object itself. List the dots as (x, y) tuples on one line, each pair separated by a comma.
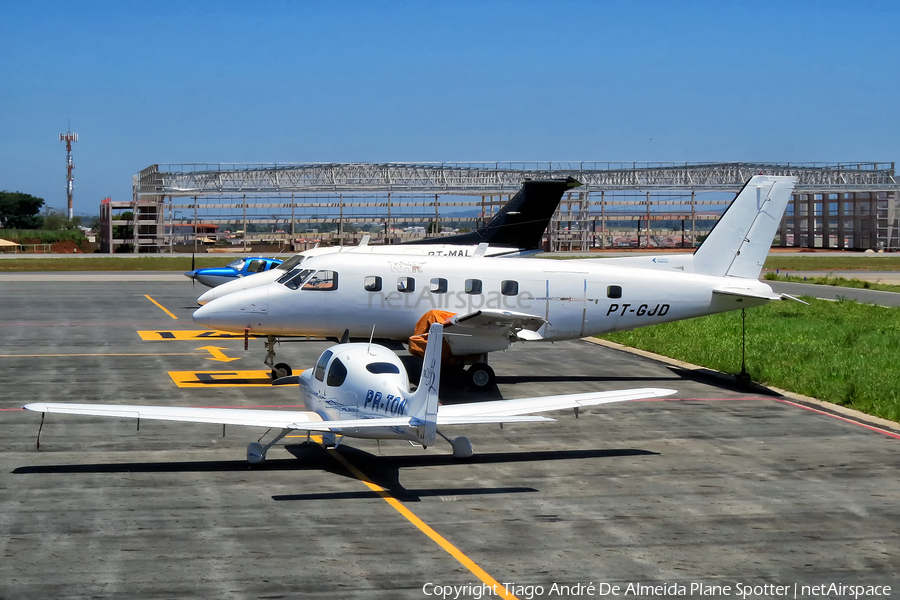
[(841, 352), (835, 281), (834, 263), (100, 263)]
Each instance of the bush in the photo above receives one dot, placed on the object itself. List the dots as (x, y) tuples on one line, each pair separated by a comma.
[(40, 236)]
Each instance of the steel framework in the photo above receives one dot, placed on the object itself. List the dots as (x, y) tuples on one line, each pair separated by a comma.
[(495, 178), (386, 192)]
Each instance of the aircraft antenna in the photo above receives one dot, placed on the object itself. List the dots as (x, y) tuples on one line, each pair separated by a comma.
[(68, 138), (371, 335)]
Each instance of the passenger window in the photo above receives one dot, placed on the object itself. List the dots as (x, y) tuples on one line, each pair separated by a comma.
[(614, 291), (295, 278), (256, 266), (406, 284), (373, 283), (337, 373), (320, 366), (322, 281), (438, 285), (473, 286), (509, 287)]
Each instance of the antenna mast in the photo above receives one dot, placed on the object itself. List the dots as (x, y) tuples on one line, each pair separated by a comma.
[(68, 138)]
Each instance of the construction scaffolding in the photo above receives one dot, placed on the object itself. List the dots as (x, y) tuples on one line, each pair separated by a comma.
[(292, 199)]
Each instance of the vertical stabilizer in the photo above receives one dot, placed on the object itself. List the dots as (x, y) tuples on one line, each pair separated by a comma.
[(740, 241), (423, 404), (521, 222)]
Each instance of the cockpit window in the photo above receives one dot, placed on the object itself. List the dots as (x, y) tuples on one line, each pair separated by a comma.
[(382, 367), (337, 373), (320, 366), (322, 281), (291, 262), (256, 266), (295, 278), (236, 264)]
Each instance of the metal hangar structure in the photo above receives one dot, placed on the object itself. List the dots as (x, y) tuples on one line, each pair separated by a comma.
[(835, 205)]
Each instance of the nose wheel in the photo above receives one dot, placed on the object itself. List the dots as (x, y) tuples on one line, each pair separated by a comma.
[(278, 369)]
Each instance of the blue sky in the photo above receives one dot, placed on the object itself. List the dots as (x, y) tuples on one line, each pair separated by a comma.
[(170, 82)]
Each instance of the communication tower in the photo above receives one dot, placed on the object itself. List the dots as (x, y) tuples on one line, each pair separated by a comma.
[(68, 138)]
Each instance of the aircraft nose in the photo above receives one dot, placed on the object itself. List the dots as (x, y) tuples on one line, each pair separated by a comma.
[(207, 296), (235, 312)]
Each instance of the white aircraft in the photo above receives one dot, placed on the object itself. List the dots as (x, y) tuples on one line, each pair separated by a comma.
[(515, 230), (362, 390), (489, 304)]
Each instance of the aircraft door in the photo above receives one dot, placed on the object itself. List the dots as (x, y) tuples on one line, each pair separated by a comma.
[(566, 297), (601, 307)]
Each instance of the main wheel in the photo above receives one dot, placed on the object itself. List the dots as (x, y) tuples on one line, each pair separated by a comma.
[(481, 376), (281, 370), (462, 447), (255, 453)]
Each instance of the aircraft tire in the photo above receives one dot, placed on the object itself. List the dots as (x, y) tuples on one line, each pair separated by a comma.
[(481, 376), (281, 370)]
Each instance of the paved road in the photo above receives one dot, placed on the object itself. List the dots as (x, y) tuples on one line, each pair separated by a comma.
[(720, 486), (836, 293)]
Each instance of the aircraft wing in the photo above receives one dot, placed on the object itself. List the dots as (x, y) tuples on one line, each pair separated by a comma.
[(487, 330), (457, 414), (282, 419), (293, 419)]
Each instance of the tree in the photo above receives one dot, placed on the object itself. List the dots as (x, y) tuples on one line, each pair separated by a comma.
[(58, 222), (20, 211), (123, 232)]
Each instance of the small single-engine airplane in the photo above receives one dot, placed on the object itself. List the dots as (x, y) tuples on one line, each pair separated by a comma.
[(236, 269), (362, 390), (515, 230), (492, 303)]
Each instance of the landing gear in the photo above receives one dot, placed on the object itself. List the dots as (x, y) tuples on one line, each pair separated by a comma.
[(280, 369), (256, 452), (481, 376), (462, 447)]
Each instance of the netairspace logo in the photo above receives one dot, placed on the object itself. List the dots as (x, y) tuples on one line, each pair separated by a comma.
[(744, 591)]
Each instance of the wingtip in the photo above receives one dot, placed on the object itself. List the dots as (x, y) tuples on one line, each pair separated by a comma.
[(37, 407)]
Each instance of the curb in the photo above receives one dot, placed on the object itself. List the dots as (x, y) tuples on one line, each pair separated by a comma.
[(834, 409)]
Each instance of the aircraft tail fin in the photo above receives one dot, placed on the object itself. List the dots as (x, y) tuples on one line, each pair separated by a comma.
[(739, 242), (423, 404), (521, 222)]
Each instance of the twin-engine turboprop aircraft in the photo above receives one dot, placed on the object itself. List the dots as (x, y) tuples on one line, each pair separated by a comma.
[(362, 390), (489, 304), (515, 230)]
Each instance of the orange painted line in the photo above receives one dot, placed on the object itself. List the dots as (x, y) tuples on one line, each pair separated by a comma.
[(437, 538), (160, 306)]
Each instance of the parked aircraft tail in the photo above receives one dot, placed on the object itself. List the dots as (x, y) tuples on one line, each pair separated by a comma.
[(423, 404), (519, 224), (739, 242)]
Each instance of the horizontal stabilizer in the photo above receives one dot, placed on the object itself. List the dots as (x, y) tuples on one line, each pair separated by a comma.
[(745, 293)]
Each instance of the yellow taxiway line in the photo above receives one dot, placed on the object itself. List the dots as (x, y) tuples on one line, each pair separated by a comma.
[(437, 538), (160, 306), (104, 354)]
